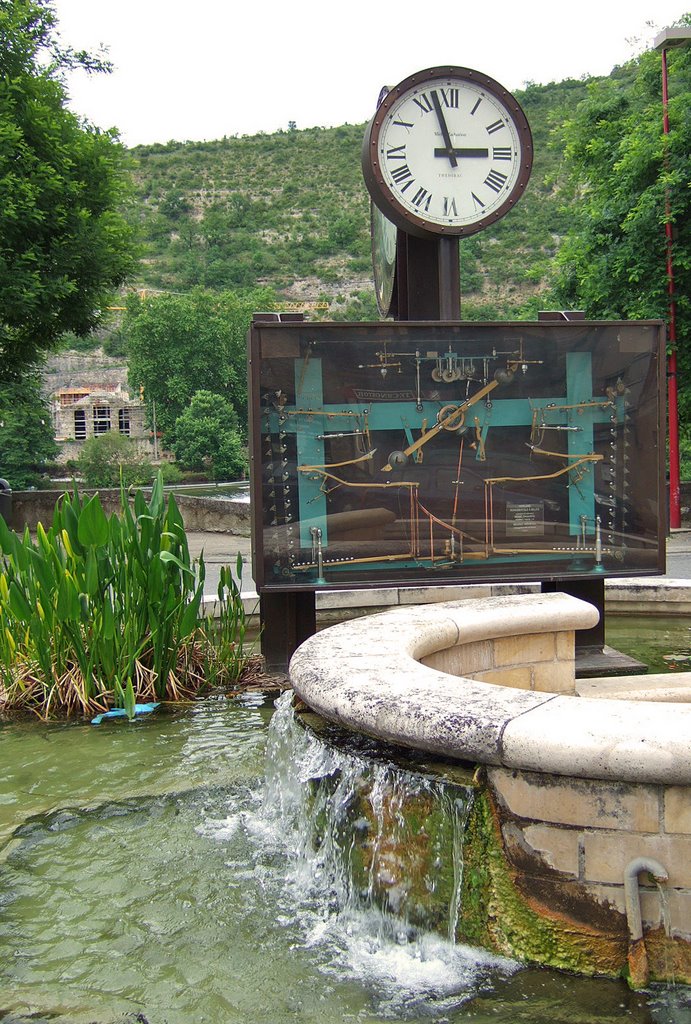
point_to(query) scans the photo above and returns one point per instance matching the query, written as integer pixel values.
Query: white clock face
(450, 153)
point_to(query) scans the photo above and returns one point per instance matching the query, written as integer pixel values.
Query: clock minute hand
(449, 151)
(456, 151)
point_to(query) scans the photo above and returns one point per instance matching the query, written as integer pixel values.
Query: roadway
(222, 549)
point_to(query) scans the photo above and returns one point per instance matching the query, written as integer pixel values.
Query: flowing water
(200, 866)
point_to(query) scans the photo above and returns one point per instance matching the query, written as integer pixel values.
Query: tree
(207, 436)
(178, 343)
(107, 460)
(613, 262)
(26, 432)
(65, 242)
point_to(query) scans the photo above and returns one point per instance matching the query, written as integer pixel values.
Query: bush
(112, 459)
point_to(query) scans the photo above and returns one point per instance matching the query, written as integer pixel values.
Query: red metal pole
(672, 396)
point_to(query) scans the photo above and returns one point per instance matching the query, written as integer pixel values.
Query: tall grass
(101, 612)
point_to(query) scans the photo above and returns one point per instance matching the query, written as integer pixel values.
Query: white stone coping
(365, 674)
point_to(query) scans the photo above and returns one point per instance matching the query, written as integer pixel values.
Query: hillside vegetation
(290, 210)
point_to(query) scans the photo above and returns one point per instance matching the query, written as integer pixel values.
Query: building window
(101, 419)
(79, 424)
(124, 421)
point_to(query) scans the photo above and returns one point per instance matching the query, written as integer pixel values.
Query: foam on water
(298, 821)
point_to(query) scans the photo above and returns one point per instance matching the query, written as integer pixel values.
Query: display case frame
(401, 454)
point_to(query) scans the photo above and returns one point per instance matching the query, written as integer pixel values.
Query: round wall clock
(448, 152)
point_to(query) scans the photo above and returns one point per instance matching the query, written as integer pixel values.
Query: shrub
(110, 459)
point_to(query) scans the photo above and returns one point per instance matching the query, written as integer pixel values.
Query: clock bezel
(387, 201)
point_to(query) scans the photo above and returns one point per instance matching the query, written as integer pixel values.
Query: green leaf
(190, 616)
(19, 605)
(68, 607)
(168, 556)
(130, 700)
(91, 574)
(93, 524)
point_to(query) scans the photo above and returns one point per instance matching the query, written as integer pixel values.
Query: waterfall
(374, 862)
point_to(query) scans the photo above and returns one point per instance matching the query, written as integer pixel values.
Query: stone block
(554, 677)
(557, 847)
(430, 595)
(566, 645)
(678, 809)
(522, 650)
(608, 854)
(629, 741)
(582, 803)
(384, 597)
(463, 659)
(521, 678)
(679, 913)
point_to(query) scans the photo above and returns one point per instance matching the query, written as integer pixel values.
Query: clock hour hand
(449, 151)
(456, 151)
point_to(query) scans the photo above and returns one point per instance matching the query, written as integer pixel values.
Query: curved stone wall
(491, 681)
(577, 788)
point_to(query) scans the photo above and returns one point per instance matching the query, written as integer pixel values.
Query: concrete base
(591, 661)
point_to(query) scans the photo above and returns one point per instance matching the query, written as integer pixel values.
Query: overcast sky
(202, 69)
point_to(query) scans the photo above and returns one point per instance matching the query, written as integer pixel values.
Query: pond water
(164, 871)
(663, 644)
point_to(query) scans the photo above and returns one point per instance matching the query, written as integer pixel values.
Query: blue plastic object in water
(139, 709)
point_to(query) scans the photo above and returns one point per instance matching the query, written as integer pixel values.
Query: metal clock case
(412, 453)
(448, 152)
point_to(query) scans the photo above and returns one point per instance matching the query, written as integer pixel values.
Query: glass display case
(416, 453)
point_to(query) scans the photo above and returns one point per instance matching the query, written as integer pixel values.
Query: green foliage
(177, 342)
(685, 454)
(26, 432)
(291, 208)
(112, 459)
(622, 172)
(65, 245)
(102, 612)
(207, 438)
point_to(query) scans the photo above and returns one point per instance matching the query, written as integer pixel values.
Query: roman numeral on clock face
(449, 207)
(495, 180)
(401, 173)
(496, 126)
(477, 202)
(424, 102)
(449, 97)
(422, 199)
(501, 153)
(395, 153)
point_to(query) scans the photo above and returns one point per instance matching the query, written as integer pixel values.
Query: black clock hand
(449, 151)
(462, 152)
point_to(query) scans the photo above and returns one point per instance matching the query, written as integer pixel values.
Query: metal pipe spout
(637, 955)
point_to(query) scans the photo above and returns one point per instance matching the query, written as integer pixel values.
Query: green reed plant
(103, 612)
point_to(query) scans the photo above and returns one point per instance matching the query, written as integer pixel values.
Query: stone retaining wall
(204, 515)
(572, 839)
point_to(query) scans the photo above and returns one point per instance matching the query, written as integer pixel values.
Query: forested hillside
(290, 210)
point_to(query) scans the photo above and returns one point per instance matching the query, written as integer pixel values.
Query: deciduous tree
(207, 437)
(65, 243)
(613, 262)
(26, 432)
(178, 344)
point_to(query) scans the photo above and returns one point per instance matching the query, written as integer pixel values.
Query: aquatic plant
(100, 612)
